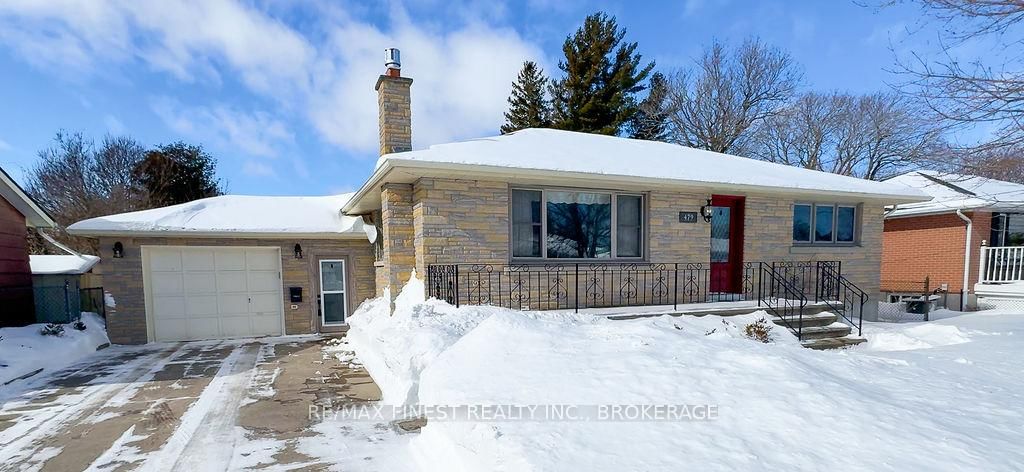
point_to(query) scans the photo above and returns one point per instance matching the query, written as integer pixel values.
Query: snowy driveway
(221, 405)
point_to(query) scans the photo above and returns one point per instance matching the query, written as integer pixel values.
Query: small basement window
(824, 223)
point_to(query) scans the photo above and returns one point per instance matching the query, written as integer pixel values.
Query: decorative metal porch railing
(842, 296)
(784, 287)
(1001, 264)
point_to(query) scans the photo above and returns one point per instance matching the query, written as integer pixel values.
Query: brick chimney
(394, 107)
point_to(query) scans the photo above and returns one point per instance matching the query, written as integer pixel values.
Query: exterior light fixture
(298, 251)
(706, 211)
(118, 250)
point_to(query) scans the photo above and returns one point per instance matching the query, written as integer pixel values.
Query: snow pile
(919, 336)
(778, 405)
(24, 350)
(234, 214)
(396, 346)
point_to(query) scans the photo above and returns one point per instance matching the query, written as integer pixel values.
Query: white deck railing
(1001, 264)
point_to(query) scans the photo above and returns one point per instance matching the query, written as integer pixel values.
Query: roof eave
(215, 234)
(35, 216)
(354, 206)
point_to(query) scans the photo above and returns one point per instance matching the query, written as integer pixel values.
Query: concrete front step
(832, 343)
(834, 330)
(823, 318)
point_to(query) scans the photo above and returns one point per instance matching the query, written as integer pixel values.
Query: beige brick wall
(397, 232)
(126, 324)
(467, 221)
(460, 221)
(670, 240)
(394, 107)
(769, 232)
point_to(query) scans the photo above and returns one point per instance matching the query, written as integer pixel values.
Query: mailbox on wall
(295, 294)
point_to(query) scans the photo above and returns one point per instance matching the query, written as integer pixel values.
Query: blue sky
(282, 93)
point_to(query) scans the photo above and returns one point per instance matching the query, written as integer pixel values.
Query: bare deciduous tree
(869, 136)
(716, 103)
(73, 181)
(986, 90)
(1004, 163)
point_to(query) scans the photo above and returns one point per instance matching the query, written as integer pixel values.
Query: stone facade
(394, 107)
(460, 221)
(126, 323)
(399, 257)
(769, 234)
(467, 221)
(669, 240)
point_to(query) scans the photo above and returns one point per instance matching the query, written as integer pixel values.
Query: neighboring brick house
(17, 213)
(647, 222)
(931, 239)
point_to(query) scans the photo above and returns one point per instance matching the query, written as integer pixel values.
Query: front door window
(332, 292)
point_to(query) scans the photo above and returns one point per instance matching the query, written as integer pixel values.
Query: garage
(195, 293)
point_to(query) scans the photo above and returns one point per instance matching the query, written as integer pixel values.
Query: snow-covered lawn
(943, 395)
(24, 350)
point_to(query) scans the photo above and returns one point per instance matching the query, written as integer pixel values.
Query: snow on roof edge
(45, 264)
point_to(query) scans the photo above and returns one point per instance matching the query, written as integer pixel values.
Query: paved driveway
(198, 406)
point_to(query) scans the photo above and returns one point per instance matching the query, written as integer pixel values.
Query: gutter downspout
(967, 257)
(59, 245)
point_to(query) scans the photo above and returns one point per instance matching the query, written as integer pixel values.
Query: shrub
(760, 330)
(52, 329)
(79, 325)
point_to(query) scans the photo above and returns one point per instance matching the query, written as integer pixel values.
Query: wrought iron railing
(842, 296)
(782, 296)
(584, 285)
(782, 287)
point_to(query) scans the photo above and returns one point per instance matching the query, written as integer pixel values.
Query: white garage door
(209, 293)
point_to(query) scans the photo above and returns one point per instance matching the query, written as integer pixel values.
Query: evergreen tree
(178, 173)
(602, 75)
(652, 116)
(527, 105)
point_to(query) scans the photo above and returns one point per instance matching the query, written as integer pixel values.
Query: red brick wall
(932, 246)
(15, 274)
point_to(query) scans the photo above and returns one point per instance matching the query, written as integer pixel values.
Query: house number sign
(687, 217)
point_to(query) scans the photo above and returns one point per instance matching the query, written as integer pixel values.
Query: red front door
(726, 243)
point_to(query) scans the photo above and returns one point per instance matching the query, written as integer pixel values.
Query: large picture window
(571, 224)
(817, 223)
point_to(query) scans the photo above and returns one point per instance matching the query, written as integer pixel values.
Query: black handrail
(575, 286)
(842, 296)
(781, 297)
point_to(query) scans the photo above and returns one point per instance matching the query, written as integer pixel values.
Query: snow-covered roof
(951, 192)
(62, 264)
(610, 157)
(235, 215)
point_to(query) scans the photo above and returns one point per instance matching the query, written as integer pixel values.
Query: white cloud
(114, 125)
(323, 73)
(256, 133)
(461, 81)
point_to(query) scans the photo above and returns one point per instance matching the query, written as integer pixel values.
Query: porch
(795, 293)
(1001, 276)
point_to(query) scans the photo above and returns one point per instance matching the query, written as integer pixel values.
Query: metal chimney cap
(392, 58)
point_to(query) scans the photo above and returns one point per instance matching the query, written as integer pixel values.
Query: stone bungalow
(533, 219)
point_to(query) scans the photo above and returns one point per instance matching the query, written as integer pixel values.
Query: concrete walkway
(224, 405)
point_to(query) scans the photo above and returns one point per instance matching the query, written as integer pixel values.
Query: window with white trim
(576, 224)
(824, 223)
